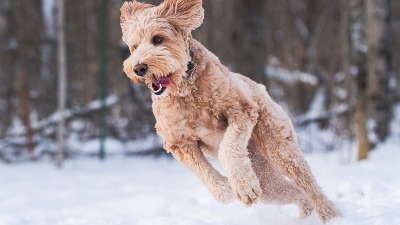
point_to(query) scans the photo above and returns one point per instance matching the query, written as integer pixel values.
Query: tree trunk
(344, 121)
(248, 39)
(7, 58)
(379, 60)
(364, 144)
(28, 22)
(62, 80)
(359, 58)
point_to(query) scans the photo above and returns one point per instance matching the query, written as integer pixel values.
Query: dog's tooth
(159, 89)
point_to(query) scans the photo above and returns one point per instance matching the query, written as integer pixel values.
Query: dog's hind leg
(190, 155)
(275, 187)
(280, 191)
(286, 157)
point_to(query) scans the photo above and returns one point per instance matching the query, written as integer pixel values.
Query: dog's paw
(305, 208)
(248, 195)
(247, 188)
(328, 211)
(222, 190)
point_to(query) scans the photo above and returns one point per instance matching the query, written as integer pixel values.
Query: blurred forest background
(334, 65)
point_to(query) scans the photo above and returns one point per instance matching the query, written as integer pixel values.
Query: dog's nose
(140, 69)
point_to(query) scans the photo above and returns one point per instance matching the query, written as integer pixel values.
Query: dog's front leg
(190, 155)
(233, 153)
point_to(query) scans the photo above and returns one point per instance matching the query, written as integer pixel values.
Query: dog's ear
(185, 14)
(130, 9)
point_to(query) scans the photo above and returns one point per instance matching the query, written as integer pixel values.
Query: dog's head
(159, 40)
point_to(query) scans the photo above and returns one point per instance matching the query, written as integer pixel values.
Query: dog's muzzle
(140, 69)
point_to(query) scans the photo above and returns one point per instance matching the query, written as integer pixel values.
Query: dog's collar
(191, 68)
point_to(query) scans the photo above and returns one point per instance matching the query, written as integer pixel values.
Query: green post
(102, 78)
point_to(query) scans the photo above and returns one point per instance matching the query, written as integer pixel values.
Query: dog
(202, 109)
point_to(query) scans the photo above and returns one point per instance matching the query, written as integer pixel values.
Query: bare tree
(342, 94)
(350, 48)
(62, 79)
(359, 59)
(28, 22)
(252, 44)
(379, 64)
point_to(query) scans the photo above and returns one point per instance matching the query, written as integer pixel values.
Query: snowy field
(146, 191)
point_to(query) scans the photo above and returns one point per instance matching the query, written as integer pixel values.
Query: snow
(48, 7)
(97, 104)
(17, 128)
(114, 146)
(274, 70)
(148, 191)
(111, 145)
(150, 142)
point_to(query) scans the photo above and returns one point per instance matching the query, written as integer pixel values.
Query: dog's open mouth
(159, 85)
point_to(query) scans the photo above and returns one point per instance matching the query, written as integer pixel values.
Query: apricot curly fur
(217, 113)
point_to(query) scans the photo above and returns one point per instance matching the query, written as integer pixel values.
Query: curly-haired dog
(203, 109)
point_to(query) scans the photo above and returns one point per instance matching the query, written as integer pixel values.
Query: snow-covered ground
(146, 191)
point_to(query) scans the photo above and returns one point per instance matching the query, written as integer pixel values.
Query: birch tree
(62, 79)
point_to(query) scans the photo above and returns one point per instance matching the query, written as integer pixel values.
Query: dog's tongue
(165, 81)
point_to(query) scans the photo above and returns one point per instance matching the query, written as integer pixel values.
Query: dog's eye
(157, 40)
(133, 48)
